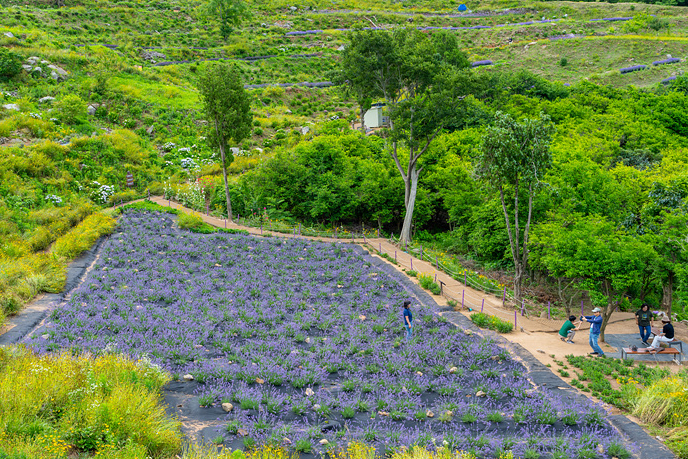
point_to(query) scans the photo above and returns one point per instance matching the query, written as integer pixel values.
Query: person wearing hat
(595, 326)
(666, 336)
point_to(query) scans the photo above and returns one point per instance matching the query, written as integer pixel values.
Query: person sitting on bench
(666, 336)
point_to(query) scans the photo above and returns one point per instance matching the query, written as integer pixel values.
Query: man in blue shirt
(595, 326)
(408, 320)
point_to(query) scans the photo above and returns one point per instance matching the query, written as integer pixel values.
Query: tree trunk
(363, 112)
(518, 281)
(609, 307)
(224, 175)
(667, 293)
(410, 204)
(513, 243)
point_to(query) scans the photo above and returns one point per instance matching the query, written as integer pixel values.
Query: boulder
(305, 130)
(293, 8)
(14, 107)
(91, 110)
(27, 67)
(150, 130)
(188, 377)
(38, 71)
(45, 99)
(9, 34)
(55, 76)
(59, 70)
(152, 56)
(227, 407)
(309, 392)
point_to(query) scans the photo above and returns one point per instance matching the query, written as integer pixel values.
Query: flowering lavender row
(671, 60)
(612, 19)
(633, 68)
(307, 84)
(481, 63)
(305, 340)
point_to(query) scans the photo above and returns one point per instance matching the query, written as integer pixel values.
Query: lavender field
(306, 341)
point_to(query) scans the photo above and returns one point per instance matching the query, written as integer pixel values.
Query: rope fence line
(467, 298)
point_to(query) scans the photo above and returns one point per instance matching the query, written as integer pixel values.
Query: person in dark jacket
(666, 336)
(595, 326)
(643, 318)
(408, 320)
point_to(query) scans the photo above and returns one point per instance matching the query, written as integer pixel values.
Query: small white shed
(373, 118)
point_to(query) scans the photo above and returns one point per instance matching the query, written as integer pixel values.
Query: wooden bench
(626, 351)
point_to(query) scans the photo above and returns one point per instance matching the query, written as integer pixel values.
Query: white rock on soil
(188, 377)
(227, 407)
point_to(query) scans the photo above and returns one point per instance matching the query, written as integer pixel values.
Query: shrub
(665, 402)
(426, 281)
(483, 320)
(83, 236)
(118, 405)
(563, 62)
(149, 205)
(194, 223)
(72, 109)
(10, 63)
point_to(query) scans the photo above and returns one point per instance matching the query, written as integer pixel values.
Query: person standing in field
(408, 320)
(595, 326)
(643, 318)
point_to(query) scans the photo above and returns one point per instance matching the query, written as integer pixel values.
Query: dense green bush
(10, 63)
(72, 109)
(483, 320)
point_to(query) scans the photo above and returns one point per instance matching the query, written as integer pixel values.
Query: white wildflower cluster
(36, 116)
(54, 120)
(189, 163)
(191, 196)
(186, 149)
(56, 200)
(168, 191)
(168, 146)
(102, 193)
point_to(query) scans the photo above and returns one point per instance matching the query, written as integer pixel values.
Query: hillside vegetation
(116, 95)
